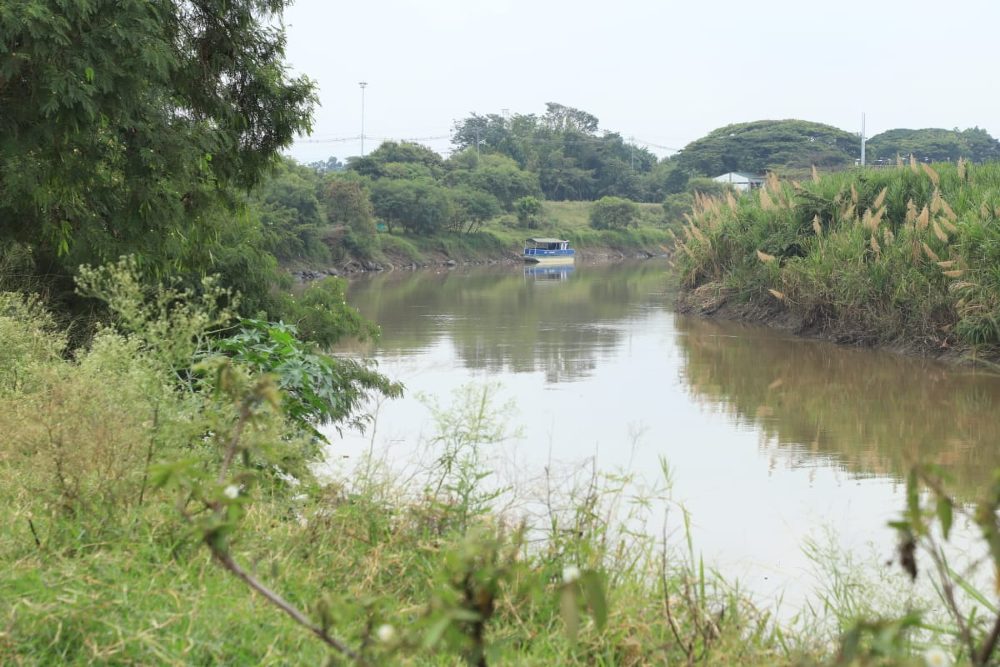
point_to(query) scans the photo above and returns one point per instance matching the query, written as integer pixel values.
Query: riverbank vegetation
(166, 400)
(902, 256)
(322, 219)
(165, 511)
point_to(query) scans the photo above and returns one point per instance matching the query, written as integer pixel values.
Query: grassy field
(899, 256)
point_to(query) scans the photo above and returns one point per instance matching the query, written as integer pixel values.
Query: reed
(861, 253)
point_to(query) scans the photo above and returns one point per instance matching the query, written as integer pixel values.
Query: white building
(741, 181)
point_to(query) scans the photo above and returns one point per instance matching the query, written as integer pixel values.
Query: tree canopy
(565, 149)
(934, 145)
(769, 144)
(128, 126)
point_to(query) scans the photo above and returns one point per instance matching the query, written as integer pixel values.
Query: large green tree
(934, 145)
(421, 207)
(769, 144)
(127, 125)
(564, 148)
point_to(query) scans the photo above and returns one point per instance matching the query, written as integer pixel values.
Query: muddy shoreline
(714, 301)
(351, 266)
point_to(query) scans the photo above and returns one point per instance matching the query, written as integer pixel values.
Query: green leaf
(593, 591)
(913, 501)
(436, 631)
(570, 613)
(88, 72)
(944, 512)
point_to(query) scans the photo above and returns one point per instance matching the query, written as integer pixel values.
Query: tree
(564, 151)
(473, 207)
(491, 133)
(769, 144)
(500, 176)
(331, 164)
(422, 207)
(348, 205)
(614, 213)
(562, 118)
(126, 125)
(934, 145)
(415, 155)
(528, 209)
(291, 215)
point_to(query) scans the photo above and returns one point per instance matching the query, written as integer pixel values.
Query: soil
(715, 301)
(394, 262)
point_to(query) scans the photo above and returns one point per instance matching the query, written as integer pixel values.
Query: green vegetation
(792, 147)
(129, 128)
(614, 213)
(767, 145)
(934, 145)
(883, 256)
(164, 512)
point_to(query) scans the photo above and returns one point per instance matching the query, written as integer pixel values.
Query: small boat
(548, 251)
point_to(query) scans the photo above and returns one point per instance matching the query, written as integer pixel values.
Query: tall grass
(911, 254)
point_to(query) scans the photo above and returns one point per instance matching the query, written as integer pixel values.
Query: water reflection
(542, 274)
(560, 320)
(875, 413)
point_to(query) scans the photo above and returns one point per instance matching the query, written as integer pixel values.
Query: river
(771, 440)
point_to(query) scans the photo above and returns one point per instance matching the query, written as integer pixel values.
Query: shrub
(528, 210)
(614, 213)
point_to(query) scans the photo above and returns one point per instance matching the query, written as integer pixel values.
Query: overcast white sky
(663, 71)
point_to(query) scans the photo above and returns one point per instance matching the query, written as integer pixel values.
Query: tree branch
(226, 561)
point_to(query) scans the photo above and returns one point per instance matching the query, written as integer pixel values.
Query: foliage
(126, 125)
(376, 163)
(613, 213)
(348, 205)
(317, 388)
(769, 144)
(925, 528)
(528, 209)
(497, 175)
(565, 151)
(472, 208)
(421, 207)
(907, 253)
(933, 145)
(293, 219)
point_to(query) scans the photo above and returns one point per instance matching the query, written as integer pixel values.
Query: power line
(633, 141)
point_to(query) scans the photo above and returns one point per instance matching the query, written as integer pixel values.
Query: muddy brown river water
(771, 440)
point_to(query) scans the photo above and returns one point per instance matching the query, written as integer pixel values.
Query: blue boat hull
(539, 256)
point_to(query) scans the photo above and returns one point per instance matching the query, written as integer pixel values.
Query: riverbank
(903, 259)
(500, 241)
(164, 512)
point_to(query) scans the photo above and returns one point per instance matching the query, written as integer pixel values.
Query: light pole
(363, 84)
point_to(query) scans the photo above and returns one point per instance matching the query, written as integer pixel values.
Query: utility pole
(477, 144)
(863, 139)
(631, 152)
(363, 84)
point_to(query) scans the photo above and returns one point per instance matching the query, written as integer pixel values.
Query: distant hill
(796, 145)
(934, 145)
(769, 144)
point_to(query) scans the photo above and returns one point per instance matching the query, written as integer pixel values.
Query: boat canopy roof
(546, 240)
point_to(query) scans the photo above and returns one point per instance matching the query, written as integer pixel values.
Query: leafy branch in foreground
(317, 388)
(926, 528)
(215, 506)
